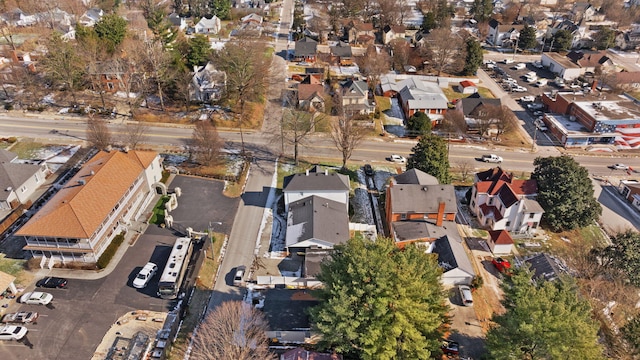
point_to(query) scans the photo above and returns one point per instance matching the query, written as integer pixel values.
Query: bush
(477, 282)
(12, 140)
(111, 250)
(8, 106)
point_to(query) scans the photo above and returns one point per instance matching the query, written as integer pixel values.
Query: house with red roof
(500, 242)
(467, 87)
(501, 202)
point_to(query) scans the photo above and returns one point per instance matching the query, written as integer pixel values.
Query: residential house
(316, 222)
(580, 34)
(391, 32)
(420, 95)
(252, 18)
(415, 176)
(415, 212)
(358, 32)
(584, 12)
(304, 354)
(452, 258)
(18, 18)
(56, 19)
(111, 75)
(341, 54)
(503, 35)
(562, 66)
(501, 202)
(354, 95)
(467, 87)
(207, 83)
(310, 95)
(208, 26)
(306, 49)
(318, 182)
(79, 222)
(630, 189)
(91, 17)
(544, 267)
(177, 21)
(626, 80)
(287, 315)
(628, 40)
(475, 110)
(19, 179)
(500, 242)
(589, 61)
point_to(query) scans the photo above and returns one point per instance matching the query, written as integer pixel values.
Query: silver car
(36, 298)
(12, 332)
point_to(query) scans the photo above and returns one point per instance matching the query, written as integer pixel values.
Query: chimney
(593, 85)
(440, 213)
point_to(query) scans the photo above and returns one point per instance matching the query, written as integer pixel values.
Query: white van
(542, 82)
(465, 295)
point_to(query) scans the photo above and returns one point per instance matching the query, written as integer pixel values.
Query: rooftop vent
(81, 182)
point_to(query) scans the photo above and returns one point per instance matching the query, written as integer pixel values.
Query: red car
(501, 264)
(450, 348)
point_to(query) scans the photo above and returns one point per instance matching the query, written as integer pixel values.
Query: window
(37, 179)
(490, 201)
(23, 189)
(507, 224)
(473, 203)
(535, 225)
(403, 216)
(531, 215)
(110, 86)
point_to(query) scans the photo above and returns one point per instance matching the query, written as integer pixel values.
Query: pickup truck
(491, 158)
(22, 317)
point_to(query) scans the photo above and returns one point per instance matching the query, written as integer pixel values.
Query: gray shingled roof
(316, 181)
(416, 230)
(544, 267)
(415, 176)
(470, 104)
(306, 47)
(13, 176)
(7, 156)
(451, 254)
(315, 217)
(342, 49)
(422, 198)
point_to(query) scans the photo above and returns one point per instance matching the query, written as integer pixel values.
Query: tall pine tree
(474, 56)
(431, 156)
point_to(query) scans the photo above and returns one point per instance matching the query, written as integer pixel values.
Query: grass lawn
(451, 94)
(384, 103)
(26, 149)
(158, 211)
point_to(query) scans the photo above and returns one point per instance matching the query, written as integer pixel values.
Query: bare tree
(346, 134)
(135, 134)
(157, 62)
(454, 122)
(295, 126)
(464, 168)
(445, 47)
(390, 12)
(375, 63)
(247, 67)
(233, 330)
(98, 133)
(206, 143)
(401, 53)
(503, 118)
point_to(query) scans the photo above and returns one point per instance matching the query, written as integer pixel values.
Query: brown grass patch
(255, 115)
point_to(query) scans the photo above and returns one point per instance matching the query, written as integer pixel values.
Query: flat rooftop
(572, 128)
(287, 309)
(563, 60)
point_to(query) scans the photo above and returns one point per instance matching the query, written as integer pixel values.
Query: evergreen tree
(548, 320)
(199, 51)
(562, 40)
(565, 192)
(380, 302)
(111, 29)
(160, 27)
(527, 38)
(631, 333)
(428, 22)
(624, 255)
(419, 124)
(220, 8)
(474, 57)
(604, 38)
(482, 10)
(431, 156)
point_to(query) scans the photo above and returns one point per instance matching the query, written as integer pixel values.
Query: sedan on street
(52, 282)
(619, 167)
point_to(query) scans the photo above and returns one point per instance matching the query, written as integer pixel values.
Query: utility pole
(535, 133)
(515, 48)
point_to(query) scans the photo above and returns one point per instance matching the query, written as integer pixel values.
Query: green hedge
(111, 250)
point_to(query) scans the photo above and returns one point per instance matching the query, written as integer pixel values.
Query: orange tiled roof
(78, 209)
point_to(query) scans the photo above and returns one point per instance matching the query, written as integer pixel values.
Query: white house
(178, 21)
(316, 222)
(208, 83)
(79, 222)
(501, 202)
(91, 17)
(19, 179)
(331, 186)
(503, 35)
(208, 26)
(561, 66)
(455, 264)
(500, 242)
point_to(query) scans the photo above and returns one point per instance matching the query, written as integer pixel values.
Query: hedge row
(111, 250)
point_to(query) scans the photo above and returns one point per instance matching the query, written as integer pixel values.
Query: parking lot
(73, 325)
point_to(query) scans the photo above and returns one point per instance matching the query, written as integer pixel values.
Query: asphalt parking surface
(73, 325)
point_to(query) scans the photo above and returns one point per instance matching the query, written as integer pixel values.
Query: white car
(519, 89)
(540, 125)
(145, 275)
(12, 332)
(619, 167)
(528, 98)
(36, 298)
(397, 158)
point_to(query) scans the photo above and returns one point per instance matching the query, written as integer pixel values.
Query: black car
(368, 170)
(52, 282)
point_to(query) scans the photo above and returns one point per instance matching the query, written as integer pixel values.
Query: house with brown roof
(96, 204)
(502, 202)
(391, 32)
(500, 242)
(19, 179)
(358, 32)
(416, 208)
(626, 80)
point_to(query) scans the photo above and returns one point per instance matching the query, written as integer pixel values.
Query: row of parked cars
(8, 328)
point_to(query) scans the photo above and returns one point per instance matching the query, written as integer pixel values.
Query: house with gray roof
(91, 17)
(208, 26)
(319, 182)
(544, 267)
(417, 94)
(306, 49)
(341, 54)
(19, 179)
(415, 176)
(316, 222)
(354, 94)
(452, 258)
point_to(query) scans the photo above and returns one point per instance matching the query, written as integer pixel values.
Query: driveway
(80, 316)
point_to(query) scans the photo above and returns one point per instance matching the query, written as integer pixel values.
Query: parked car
(52, 282)
(450, 347)
(537, 64)
(542, 82)
(619, 167)
(507, 61)
(12, 332)
(491, 158)
(519, 89)
(535, 106)
(528, 98)
(397, 158)
(36, 298)
(237, 278)
(538, 113)
(519, 66)
(368, 170)
(501, 264)
(145, 275)
(539, 123)
(465, 295)
(22, 317)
